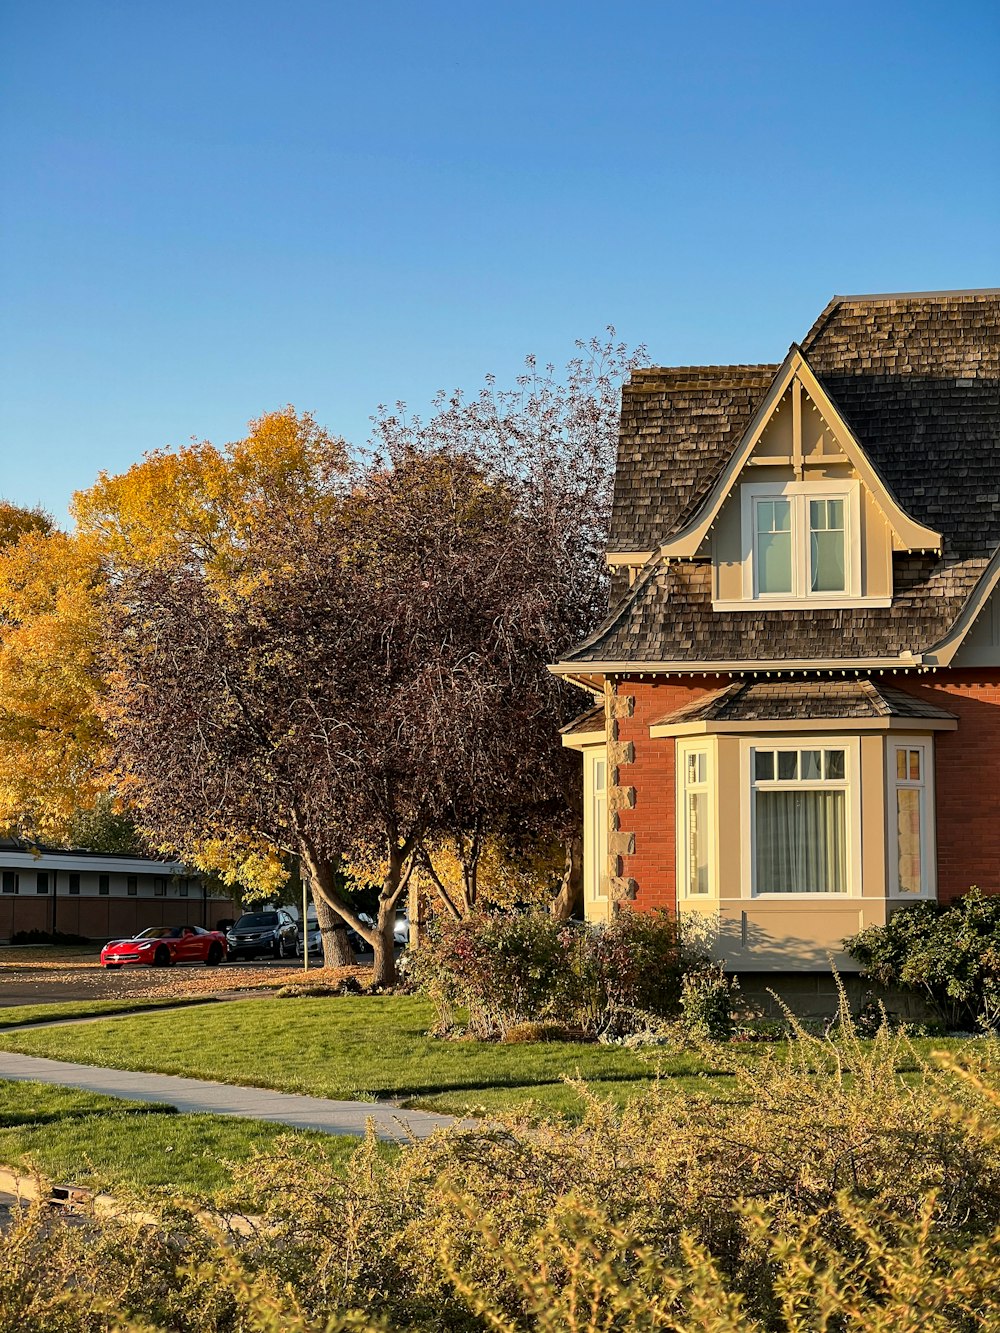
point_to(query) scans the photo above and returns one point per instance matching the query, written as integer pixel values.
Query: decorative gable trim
(943, 653)
(908, 534)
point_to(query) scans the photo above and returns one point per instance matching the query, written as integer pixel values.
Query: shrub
(707, 1003)
(948, 954)
(514, 968)
(829, 1193)
(47, 937)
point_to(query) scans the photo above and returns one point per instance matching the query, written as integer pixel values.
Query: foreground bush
(826, 1194)
(512, 968)
(950, 955)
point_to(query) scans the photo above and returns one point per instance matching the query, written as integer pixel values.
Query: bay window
(910, 856)
(801, 818)
(695, 822)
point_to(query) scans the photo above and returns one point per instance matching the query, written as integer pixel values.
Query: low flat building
(101, 897)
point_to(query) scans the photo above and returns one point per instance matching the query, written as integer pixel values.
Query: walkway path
(192, 1094)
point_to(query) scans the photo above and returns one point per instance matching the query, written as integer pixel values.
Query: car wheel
(214, 955)
(162, 957)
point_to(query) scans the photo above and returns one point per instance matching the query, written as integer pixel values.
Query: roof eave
(770, 667)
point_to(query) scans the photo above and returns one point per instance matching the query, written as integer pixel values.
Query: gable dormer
(799, 518)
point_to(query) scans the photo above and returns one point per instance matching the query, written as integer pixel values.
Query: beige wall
(771, 935)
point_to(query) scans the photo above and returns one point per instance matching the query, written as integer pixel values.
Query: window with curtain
(697, 863)
(600, 815)
(800, 540)
(799, 820)
(910, 779)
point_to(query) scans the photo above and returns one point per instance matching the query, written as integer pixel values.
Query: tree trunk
(571, 889)
(393, 884)
(384, 966)
(337, 951)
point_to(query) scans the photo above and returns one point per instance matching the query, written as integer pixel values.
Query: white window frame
(928, 847)
(595, 809)
(851, 745)
(799, 493)
(684, 748)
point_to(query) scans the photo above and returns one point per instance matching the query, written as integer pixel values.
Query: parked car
(315, 940)
(401, 929)
(272, 931)
(160, 946)
(357, 943)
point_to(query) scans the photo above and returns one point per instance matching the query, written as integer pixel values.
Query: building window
(182, 888)
(160, 888)
(695, 832)
(909, 851)
(42, 881)
(132, 886)
(799, 819)
(802, 540)
(595, 823)
(10, 881)
(104, 885)
(74, 883)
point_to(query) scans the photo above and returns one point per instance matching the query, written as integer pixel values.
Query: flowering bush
(514, 968)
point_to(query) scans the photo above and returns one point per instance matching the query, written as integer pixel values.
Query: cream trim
(584, 740)
(801, 604)
(763, 667)
(911, 535)
(616, 558)
(942, 653)
(918, 725)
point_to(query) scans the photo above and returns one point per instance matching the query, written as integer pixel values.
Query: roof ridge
(888, 298)
(881, 704)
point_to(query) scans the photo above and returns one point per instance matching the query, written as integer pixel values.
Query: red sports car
(159, 946)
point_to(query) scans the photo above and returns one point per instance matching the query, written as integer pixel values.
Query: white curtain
(801, 842)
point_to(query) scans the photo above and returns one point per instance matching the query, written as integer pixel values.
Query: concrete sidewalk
(191, 1094)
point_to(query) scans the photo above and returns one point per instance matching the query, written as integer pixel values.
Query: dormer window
(801, 542)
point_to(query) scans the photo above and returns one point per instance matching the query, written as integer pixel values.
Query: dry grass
(54, 974)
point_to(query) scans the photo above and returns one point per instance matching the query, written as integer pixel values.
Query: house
(99, 896)
(796, 721)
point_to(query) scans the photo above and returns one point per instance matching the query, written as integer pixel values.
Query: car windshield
(159, 933)
(252, 920)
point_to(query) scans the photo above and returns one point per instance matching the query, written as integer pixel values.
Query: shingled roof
(821, 700)
(917, 378)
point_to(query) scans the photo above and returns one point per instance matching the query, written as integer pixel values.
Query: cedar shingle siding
(917, 378)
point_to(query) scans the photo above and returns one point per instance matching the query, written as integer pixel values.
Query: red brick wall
(966, 778)
(651, 773)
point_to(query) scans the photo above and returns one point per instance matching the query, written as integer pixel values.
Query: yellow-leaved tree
(51, 735)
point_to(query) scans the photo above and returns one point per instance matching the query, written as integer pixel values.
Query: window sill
(801, 604)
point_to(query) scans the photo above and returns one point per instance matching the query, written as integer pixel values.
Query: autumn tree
(51, 734)
(550, 442)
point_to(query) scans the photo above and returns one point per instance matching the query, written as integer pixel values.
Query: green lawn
(363, 1047)
(70, 1136)
(351, 1047)
(16, 1015)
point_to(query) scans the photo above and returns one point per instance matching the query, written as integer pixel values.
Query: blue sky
(209, 210)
